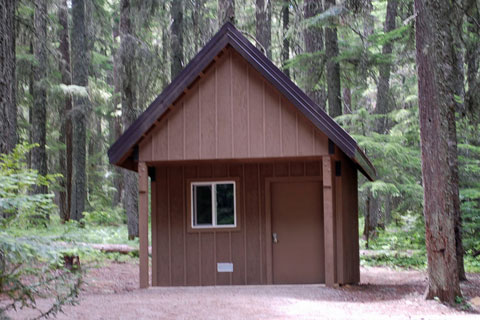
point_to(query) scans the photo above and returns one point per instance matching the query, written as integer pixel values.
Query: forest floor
(111, 292)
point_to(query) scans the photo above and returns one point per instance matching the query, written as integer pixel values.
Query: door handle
(275, 237)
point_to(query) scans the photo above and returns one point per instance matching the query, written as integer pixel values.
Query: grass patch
(395, 259)
(73, 232)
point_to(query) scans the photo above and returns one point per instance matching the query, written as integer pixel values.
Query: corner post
(329, 222)
(143, 222)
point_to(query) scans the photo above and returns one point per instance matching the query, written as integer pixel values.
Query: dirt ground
(111, 293)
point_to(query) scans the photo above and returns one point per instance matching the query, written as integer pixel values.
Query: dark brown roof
(230, 36)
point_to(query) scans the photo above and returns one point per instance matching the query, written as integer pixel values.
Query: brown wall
(232, 112)
(190, 258)
(182, 257)
(348, 198)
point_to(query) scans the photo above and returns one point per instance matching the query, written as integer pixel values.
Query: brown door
(297, 232)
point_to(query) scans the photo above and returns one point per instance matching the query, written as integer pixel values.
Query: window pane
(225, 204)
(202, 197)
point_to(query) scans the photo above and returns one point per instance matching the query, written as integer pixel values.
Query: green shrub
(30, 267)
(17, 204)
(105, 216)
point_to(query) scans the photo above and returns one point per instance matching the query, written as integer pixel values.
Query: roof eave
(364, 164)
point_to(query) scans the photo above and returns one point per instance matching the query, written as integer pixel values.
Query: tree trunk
(435, 61)
(459, 90)
(8, 105)
(286, 41)
(383, 96)
(39, 110)
(366, 227)
(129, 109)
(314, 43)
(31, 82)
(383, 106)
(263, 21)
(81, 106)
(176, 38)
(347, 100)
(117, 121)
(66, 123)
(226, 11)
(333, 69)
(472, 59)
(165, 51)
(454, 185)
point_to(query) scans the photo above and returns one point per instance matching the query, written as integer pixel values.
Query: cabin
(250, 182)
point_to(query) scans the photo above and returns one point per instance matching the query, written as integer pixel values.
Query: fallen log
(106, 248)
(112, 248)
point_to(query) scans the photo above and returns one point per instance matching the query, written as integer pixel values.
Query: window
(213, 204)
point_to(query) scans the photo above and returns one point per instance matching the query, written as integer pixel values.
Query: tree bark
(165, 51)
(263, 22)
(435, 60)
(176, 38)
(129, 109)
(333, 68)
(384, 100)
(314, 43)
(455, 193)
(81, 105)
(66, 123)
(8, 105)
(472, 59)
(226, 11)
(117, 120)
(39, 109)
(286, 41)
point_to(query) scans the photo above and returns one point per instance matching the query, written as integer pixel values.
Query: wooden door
(297, 232)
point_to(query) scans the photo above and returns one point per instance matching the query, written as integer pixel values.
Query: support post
(329, 222)
(143, 223)
(339, 223)
(153, 215)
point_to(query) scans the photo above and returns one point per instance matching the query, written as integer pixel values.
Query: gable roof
(228, 35)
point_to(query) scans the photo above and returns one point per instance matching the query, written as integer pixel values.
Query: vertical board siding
(240, 106)
(190, 258)
(223, 115)
(222, 248)
(176, 196)
(145, 149)
(192, 239)
(272, 122)
(207, 116)
(350, 218)
(289, 129)
(163, 237)
(191, 130)
(255, 114)
(207, 258)
(176, 133)
(252, 223)
(232, 112)
(238, 238)
(154, 231)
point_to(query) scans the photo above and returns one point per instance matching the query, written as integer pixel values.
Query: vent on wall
(224, 267)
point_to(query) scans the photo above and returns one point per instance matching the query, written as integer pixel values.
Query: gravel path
(383, 294)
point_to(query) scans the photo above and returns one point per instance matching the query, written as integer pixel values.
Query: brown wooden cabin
(251, 183)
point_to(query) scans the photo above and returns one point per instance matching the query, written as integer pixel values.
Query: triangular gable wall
(232, 112)
(124, 151)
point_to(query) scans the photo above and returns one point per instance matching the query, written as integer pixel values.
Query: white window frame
(214, 224)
